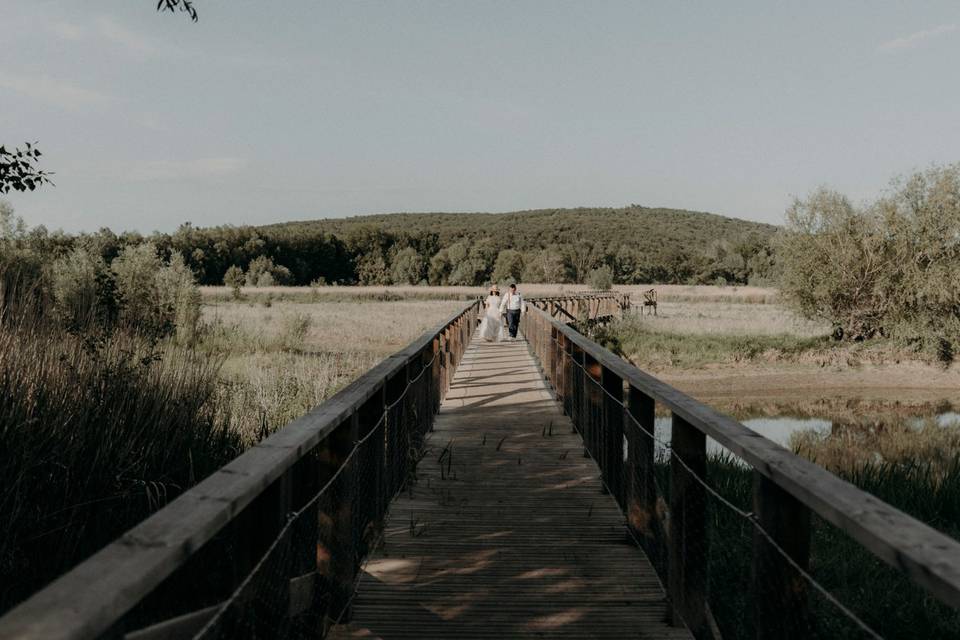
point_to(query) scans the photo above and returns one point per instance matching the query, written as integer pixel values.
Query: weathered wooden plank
(513, 539)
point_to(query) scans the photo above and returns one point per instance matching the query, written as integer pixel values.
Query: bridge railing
(612, 405)
(270, 545)
(590, 305)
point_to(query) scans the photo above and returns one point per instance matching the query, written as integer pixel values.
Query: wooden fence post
(687, 569)
(779, 591)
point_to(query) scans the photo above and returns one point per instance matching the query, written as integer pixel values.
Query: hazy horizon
(261, 114)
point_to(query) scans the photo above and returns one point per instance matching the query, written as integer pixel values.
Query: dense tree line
(636, 245)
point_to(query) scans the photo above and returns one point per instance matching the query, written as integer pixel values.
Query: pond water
(779, 428)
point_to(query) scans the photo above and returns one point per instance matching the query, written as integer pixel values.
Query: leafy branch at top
(17, 170)
(174, 5)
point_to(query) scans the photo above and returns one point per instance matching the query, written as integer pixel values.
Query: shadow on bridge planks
(508, 535)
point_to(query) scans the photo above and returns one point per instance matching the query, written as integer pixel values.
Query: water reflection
(780, 428)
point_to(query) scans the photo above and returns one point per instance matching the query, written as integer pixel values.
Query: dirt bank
(749, 389)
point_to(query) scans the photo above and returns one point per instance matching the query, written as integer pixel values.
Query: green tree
(545, 266)
(407, 267)
(508, 267)
(438, 273)
(601, 278)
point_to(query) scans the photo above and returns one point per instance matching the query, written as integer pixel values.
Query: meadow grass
(673, 343)
(386, 293)
(279, 361)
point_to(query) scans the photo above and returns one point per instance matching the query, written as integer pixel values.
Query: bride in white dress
(490, 326)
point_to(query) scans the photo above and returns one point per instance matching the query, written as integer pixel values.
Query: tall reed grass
(880, 595)
(97, 430)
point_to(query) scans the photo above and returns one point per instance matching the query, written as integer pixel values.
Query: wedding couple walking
(495, 306)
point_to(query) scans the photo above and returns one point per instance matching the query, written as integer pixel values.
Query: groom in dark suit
(513, 306)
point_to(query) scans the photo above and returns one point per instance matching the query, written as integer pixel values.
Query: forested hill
(629, 245)
(644, 228)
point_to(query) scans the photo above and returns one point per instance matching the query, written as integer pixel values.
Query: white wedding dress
(490, 325)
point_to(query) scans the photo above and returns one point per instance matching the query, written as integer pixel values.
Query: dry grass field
(281, 360)
(666, 293)
(739, 348)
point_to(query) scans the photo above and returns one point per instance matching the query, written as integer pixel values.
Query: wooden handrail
(92, 597)
(927, 557)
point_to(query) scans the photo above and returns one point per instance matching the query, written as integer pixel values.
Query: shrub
(294, 331)
(156, 299)
(234, 278)
(262, 272)
(601, 278)
(891, 268)
(80, 281)
(179, 298)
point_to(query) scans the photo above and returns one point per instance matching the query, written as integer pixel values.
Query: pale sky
(268, 111)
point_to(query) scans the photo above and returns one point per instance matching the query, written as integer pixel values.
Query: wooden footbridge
(463, 489)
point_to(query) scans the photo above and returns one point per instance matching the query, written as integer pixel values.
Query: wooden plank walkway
(516, 539)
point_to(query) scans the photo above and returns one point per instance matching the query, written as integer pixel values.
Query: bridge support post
(687, 569)
(612, 433)
(779, 591)
(642, 514)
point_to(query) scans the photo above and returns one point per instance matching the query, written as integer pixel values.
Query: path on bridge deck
(519, 542)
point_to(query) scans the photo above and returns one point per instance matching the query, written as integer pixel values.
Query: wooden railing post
(687, 569)
(779, 591)
(642, 514)
(436, 384)
(592, 426)
(577, 390)
(336, 550)
(556, 370)
(612, 436)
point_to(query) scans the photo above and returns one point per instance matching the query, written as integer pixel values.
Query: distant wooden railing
(592, 306)
(609, 400)
(275, 536)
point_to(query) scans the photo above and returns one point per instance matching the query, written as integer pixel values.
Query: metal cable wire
(749, 516)
(293, 516)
